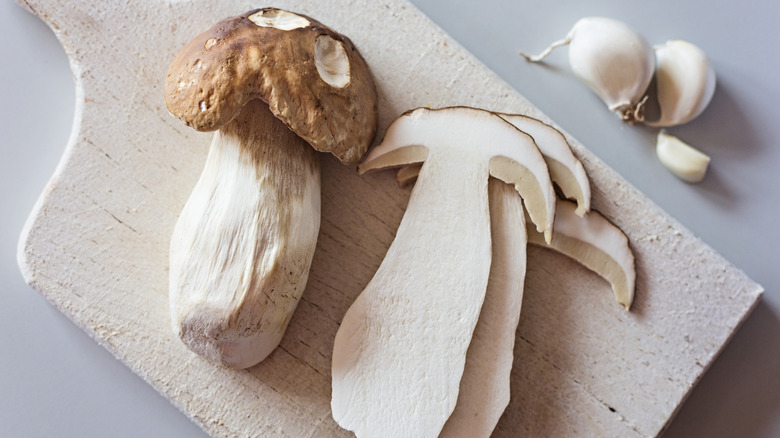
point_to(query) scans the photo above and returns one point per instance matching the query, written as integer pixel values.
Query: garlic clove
(613, 60)
(685, 80)
(683, 160)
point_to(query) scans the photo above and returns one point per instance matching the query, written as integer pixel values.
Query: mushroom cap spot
(235, 61)
(331, 60)
(279, 19)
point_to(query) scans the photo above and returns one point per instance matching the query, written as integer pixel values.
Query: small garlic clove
(613, 60)
(683, 160)
(685, 80)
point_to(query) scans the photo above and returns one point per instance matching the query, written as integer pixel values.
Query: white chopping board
(96, 244)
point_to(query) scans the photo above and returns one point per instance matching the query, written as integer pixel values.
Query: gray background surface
(56, 381)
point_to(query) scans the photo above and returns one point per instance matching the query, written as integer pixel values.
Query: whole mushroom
(270, 81)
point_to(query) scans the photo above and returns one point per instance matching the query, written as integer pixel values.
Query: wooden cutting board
(96, 244)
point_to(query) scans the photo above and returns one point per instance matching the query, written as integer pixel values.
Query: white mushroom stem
(400, 352)
(485, 386)
(243, 244)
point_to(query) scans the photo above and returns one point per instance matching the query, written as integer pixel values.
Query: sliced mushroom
(485, 386)
(400, 352)
(591, 240)
(270, 81)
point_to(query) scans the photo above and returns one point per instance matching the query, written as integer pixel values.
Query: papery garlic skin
(683, 160)
(685, 81)
(614, 61)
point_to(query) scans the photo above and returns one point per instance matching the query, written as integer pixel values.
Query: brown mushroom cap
(236, 61)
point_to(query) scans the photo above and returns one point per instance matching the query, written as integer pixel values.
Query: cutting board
(96, 243)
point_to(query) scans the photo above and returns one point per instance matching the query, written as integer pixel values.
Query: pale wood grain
(96, 244)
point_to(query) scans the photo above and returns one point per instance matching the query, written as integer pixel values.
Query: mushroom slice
(484, 389)
(485, 386)
(243, 245)
(489, 359)
(597, 244)
(400, 352)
